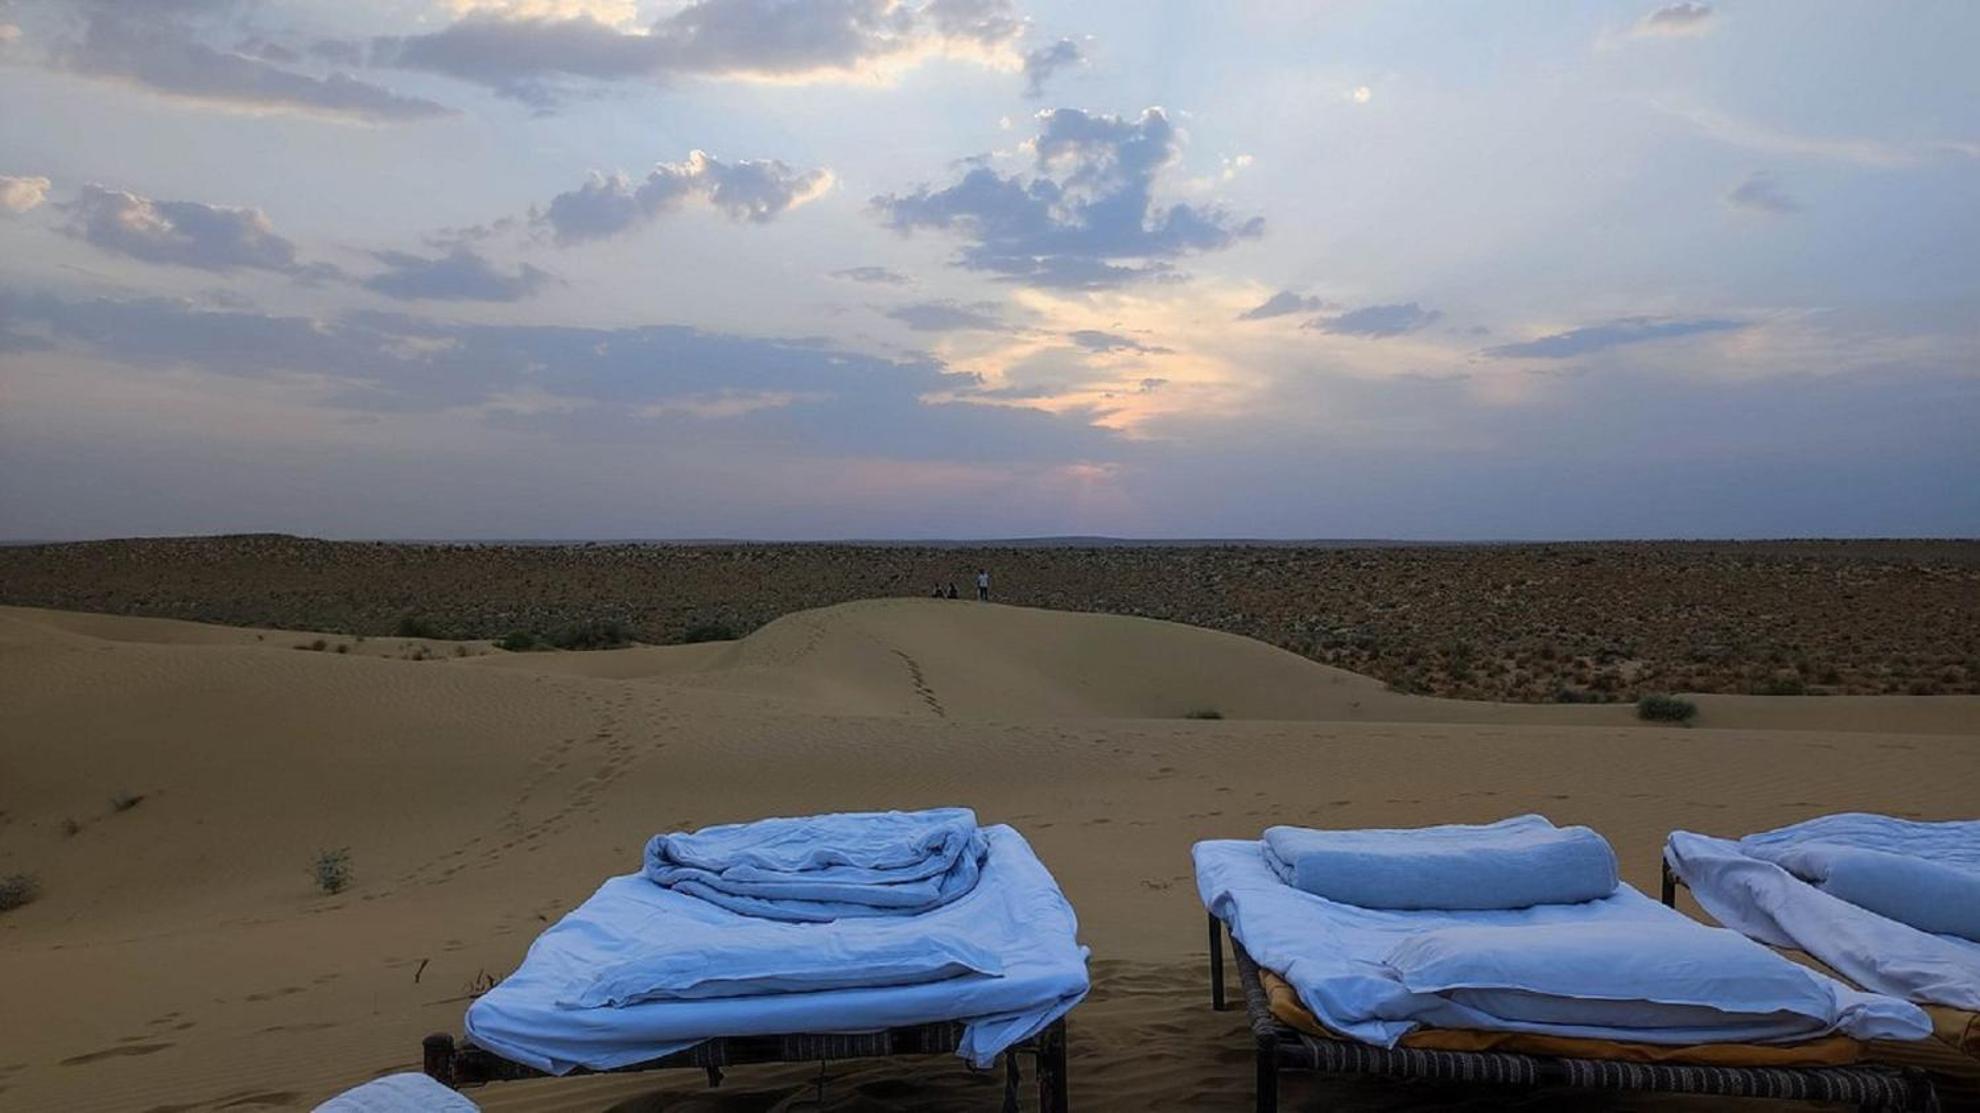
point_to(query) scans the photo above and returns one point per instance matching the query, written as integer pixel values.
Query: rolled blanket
(1926, 875)
(1514, 863)
(826, 867)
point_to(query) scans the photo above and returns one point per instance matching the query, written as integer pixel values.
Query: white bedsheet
(1348, 966)
(1015, 912)
(1762, 900)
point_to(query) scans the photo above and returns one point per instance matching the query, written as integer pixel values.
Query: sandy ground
(179, 957)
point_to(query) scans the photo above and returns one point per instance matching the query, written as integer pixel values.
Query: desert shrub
(1574, 695)
(708, 632)
(1783, 685)
(71, 828)
(1203, 713)
(17, 890)
(415, 626)
(518, 641)
(603, 633)
(319, 645)
(1660, 708)
(343, 648)
(125, 801)
(332, 870)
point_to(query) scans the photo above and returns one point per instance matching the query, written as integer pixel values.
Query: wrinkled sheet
(1338, 958)
(399, 1093)
(825, 867)
(1761, 899)
(1514, 863)
(1923, 874)
(1014, 913)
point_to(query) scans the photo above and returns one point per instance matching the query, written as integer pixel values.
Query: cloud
(880, 275)
(1677, 19)
(948, 316)
(1761, 193)
(460, 275)
(182, 233)
(752, 191)
(579, 386)
(1094, 340)
(1862, 152)
(1041, 64)
(1377, 321)
(534, 57)
(1626, 330)
(1087, 220)
(18, 195)
(1280, 304)
(156, 47)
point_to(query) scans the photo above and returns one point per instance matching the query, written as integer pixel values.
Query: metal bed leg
(437, 1058)
(1670, 893)
(1268, 1079)
(1216, 962)
(1052, 1096)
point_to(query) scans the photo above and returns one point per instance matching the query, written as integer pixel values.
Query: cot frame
(455, 1063)
(1281, 1048)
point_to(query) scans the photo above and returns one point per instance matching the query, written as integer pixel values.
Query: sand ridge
(179, 957)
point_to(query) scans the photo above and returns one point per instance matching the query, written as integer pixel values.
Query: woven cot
(1281, 1048)
(457, 1063)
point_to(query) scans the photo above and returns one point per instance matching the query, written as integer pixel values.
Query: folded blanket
(1596, 974)
(685, 964)
(1016, 916)
(816, 869)
(1376, 975)
(1514, 863)
(1926, 875)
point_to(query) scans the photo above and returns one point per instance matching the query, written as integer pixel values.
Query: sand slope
(179, 957)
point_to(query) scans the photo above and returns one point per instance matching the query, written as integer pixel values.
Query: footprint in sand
(116, 1052)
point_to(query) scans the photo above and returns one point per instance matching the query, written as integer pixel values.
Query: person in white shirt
(982, 585)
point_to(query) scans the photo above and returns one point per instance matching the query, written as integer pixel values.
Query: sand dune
(180, 958)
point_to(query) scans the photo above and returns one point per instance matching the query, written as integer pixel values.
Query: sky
(814, 269)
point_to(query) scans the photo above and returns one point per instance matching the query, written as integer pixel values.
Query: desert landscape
(171, 790)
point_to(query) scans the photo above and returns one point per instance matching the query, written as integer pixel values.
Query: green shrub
(519, 641)
(1204, 713)
(332, 870)
(708, 632)
(17, 890)
(1660, 708)
(605, 633)
(413, 626)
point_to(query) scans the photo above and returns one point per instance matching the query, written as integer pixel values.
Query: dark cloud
(1094, 340)
(1041, 64)
(460, 275)
(756, 191)
(949, 316)
(1595, 338)
(183, 233)
(1281, 304)
(534, 59)
(1676, 19)
(1761, 193)
(1150, 386)
(880, 275)
(620, 383)
(1088, 219)
(157, 47)
(1377, 321)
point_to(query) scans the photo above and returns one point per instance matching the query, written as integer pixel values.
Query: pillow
(1927, 895)
(1514, 863)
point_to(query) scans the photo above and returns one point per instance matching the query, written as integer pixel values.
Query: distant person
(982, 585)
(952, 589)
(937, 593)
